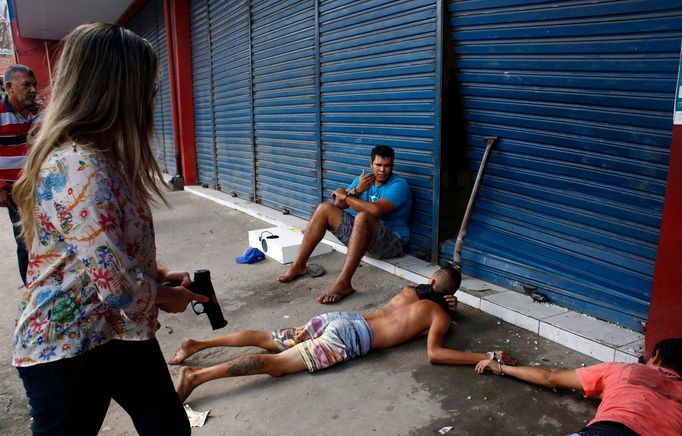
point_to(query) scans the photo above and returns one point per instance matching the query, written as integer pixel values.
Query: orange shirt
(647, 399)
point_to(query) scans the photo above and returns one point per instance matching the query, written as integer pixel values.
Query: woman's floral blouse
(92, 262)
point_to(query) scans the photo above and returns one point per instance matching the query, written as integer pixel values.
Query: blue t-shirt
(397, 191)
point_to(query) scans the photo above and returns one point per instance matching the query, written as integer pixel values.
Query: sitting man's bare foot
(187, 348)
(293, 274)
(335, 294)
(186, 383)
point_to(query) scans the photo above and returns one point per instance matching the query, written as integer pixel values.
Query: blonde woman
(85, 331)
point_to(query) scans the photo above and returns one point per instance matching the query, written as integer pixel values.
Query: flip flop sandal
(315, 270)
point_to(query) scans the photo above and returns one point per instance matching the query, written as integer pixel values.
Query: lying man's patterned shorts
(327, 339)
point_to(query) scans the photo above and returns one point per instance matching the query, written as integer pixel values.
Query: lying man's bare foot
(187, 348)
(335, 294)
(186, 384)
(293, 274)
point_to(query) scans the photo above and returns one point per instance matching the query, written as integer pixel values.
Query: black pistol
(202, 285)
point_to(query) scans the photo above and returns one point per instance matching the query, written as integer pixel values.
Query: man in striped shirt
(17, 114)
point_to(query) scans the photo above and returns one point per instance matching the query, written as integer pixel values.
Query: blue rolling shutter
(278, 82)
(165, 128)
(285, 104)
(202, 83)
(231, 70)
(581, 95)
(380, 63)
(222, 95)
(149, 23)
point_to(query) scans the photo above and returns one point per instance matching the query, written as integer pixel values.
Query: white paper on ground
(196, 419)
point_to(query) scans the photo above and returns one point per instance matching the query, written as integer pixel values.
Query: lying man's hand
(488, 364)
(495, 364)
(452, 302)
(505, 358)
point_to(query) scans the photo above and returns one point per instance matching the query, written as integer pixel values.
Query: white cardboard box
(285, 247)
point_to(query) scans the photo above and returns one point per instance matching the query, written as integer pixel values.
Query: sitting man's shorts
(384, 243)
(327, 339)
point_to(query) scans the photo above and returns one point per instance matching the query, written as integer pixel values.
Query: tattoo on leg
(245, 365)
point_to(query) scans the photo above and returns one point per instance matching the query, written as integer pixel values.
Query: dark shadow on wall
(456, 177)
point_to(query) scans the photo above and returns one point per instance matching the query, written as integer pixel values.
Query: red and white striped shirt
(14, 128)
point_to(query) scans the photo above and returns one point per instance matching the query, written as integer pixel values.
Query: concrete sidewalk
(389, 392)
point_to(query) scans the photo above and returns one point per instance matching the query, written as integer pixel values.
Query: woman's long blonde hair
(102, 96)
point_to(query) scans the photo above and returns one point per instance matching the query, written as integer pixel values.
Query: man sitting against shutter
(636, 398)
(336, 337)
(370, 216)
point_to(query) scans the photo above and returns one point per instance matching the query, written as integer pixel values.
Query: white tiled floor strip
(601, 340)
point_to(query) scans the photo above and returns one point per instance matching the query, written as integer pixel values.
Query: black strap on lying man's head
(426, 292)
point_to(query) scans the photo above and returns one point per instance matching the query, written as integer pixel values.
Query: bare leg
(276, 365)
(244, 338)
(363, 228)
(326, 217)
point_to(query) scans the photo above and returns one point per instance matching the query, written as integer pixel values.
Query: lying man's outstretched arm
(548, 377)
(448, 356)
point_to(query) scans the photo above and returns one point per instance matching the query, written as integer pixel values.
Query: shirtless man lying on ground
(336, 337)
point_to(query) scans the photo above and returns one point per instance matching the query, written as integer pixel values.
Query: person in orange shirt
(636, 398)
